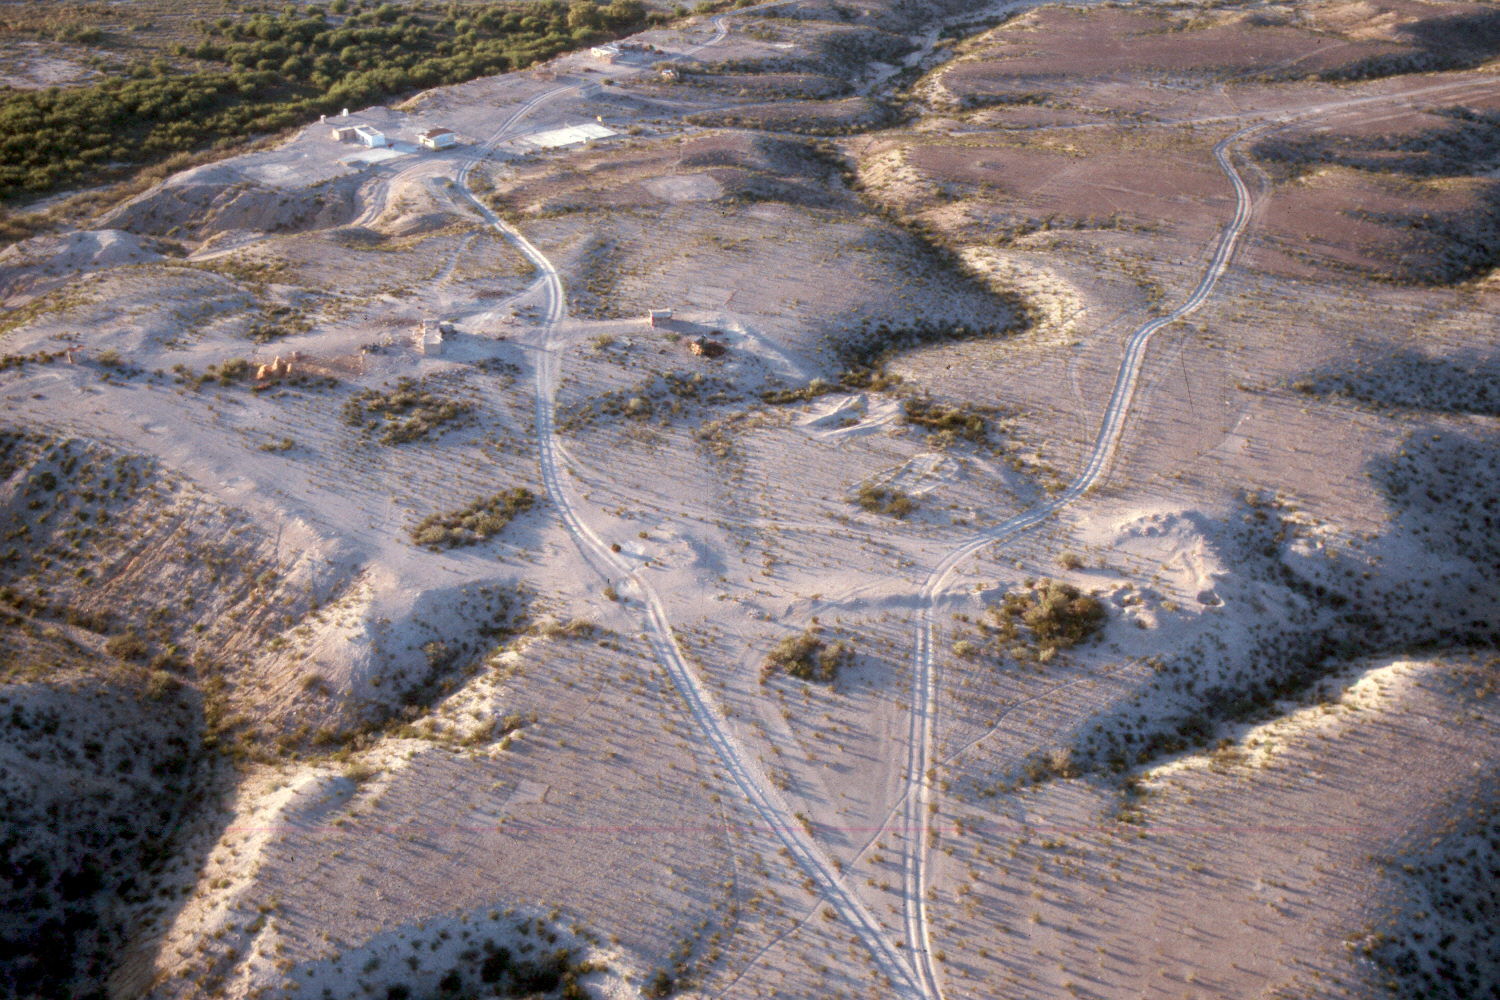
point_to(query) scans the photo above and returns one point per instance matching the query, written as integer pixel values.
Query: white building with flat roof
(438, 138)
(365, 135)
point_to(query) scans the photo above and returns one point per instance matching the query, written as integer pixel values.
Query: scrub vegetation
(473, 523)
(272, 71)
(808, 657)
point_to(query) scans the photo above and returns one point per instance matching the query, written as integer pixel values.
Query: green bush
(808, 657)
(886, 500)
(1046, 616)
(474, 522)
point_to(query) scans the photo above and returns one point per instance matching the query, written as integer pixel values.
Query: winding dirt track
(744, 771)
(913, 976)
(917, 805)
(918, 812)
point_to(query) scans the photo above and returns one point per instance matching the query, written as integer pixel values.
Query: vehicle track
(917, 811)
(746, 775)
(743, 770)
(921, 732)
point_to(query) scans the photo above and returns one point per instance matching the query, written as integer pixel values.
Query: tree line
(271, 71)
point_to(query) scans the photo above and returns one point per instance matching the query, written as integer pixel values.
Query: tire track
(917, 811)
(743, 771)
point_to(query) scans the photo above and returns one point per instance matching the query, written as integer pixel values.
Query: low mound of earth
(1383, 228)
(1064, 53)
(791, 237)
(1411, 199)
(1265, 867)
(41, 263)
(195, 206)
(820, 117)
(1416, 382)
(723, 167)
(160, 573)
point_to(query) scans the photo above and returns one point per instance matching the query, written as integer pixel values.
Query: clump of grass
(1045, 616)
(948, 421)
(405, 413)
(885, 500)
(808, 657)
(474, 522)
(127, 645)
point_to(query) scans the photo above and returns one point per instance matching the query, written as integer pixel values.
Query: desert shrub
(270, 71)
(808, 657)
(964, 420)
(1044, 617)
(473, 523)
(127, 646)
(885, 500)
(1045, 765)
(672, 394)
(160, 683)
(660, 985)
(407, 412)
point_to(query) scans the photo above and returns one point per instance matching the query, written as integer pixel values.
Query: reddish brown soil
(1152, 180)
(1055, 45)
(1374, 225)
(744, 166)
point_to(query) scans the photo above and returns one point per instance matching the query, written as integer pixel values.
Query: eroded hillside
(895, 500)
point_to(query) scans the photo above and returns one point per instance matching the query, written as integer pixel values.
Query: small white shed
(371, 137)
(438, 138)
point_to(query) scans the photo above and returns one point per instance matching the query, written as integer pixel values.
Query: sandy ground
(563, 736)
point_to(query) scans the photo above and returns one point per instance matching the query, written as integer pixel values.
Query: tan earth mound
(35, 265)
(197, 208)
(723, 166)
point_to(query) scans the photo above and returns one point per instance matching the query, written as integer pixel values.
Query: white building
(371, 137)
(438, 138)
(429, 337)
(608, 52)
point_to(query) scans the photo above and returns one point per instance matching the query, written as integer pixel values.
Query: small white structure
(658, 317)
(371, 137)
(569, 136)
(608, 52)
(429, 337)
(362, 134)
(438, 138)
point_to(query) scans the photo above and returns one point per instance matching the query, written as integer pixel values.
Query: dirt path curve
(917, 809)
(743, 769)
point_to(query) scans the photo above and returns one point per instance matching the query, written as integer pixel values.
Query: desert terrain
(947, 500)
